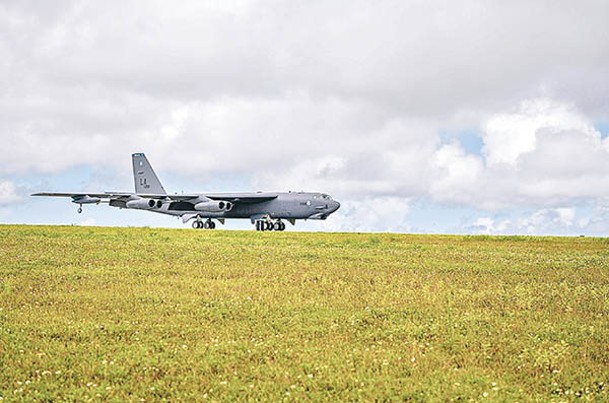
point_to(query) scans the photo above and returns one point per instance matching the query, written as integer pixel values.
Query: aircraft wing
(235, 198)
(106, 195)
(243, 197)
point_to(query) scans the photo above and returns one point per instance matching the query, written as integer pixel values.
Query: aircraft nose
(334, 206)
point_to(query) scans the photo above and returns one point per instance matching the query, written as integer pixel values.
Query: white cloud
(458, 176)
(546, 153)
(571, 220)
(544, 220)
(387, 214)
(348, 98)
(507, 136)
(489, 226)
(8, 192)
(597, 222)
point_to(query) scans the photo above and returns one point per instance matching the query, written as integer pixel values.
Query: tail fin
(145, 179)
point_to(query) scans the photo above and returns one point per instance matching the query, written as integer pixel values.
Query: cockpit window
(326, 197)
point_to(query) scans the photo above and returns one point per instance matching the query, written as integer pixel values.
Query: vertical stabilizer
(146, 181)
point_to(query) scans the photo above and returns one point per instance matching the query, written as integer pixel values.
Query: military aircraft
(265, 209)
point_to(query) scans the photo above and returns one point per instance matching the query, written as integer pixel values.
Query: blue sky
(429, 117)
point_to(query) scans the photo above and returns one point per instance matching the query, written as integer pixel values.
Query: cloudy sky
(419, 116)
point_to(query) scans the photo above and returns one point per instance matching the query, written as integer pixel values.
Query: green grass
(138, 313)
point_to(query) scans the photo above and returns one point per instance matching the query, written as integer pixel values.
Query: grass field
(151, 314)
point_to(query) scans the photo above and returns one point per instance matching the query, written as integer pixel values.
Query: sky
(465, 117)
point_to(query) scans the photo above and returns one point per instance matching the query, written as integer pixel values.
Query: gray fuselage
(282, 205)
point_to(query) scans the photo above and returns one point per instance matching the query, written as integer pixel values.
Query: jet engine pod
(86, 200)
(144, 204)
(214, 206)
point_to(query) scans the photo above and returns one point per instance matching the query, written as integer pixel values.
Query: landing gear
(209, 224)
(269, 225)
(79, 209)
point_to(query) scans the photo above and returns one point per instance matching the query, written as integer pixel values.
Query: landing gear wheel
(279, 225)
(209, 224)
(262, 225)
(79, 210)
(268, 225)
(197, 224)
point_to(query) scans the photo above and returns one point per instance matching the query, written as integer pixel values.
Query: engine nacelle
(214, 206)
(144, 204)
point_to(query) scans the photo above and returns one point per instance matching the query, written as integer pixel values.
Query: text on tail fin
(144, 177)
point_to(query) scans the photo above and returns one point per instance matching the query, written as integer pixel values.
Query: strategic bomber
(266, 210)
